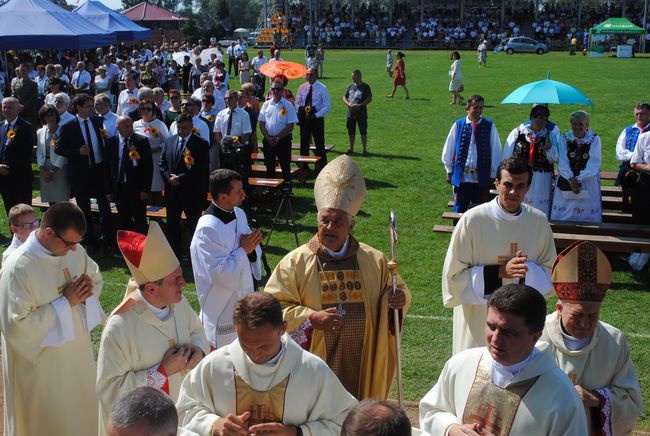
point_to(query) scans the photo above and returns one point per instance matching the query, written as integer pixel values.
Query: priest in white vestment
(512, 386)
(49, 291)
(595, 355)
(226, 256)
(153, 338)
(495, 243)
(263, 382)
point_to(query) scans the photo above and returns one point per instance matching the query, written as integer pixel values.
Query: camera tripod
(285, 203)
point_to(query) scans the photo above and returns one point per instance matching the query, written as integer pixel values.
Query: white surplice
(603, 365)
(305, 390)
(550, 406)
(222, 273)
(48, 361)
(482, 235)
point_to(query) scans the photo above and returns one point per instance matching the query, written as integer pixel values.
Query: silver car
(523, 45)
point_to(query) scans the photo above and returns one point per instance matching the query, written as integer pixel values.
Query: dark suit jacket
(70, 141)
(18, 154)
(194, 180)
(137, 178)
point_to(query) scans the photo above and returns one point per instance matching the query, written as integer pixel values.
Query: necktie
(229, 123)
(121, 175)
(49, 137)
(179, 152)
(3, 140)
(308, 98)
(89, 140)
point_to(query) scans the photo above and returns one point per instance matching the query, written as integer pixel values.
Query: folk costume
(625, 146)
(532, 398)
(540, 150)
(223, 272)
(602, 364)
(295, 388)
(48, 362)
(484, 240)
(313, 278)
(471, 154)
(579, 158)
(138, 334)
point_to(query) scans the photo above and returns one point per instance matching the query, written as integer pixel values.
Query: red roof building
(146, 11)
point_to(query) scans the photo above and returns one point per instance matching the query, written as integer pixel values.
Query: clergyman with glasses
(49, 304)
(22, 221)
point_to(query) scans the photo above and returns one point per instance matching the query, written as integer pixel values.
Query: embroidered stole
(265, 406)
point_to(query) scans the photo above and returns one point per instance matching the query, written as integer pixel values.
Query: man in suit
(26, 91)
(82, 142)
(184, 166)
(17, 139)
(128, 170)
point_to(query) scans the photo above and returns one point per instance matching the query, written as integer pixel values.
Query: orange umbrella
(290, 70)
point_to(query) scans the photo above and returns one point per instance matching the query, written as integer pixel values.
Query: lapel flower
(210, 118)
(134, 155)
(307, 109)
(11, 134)
(195, 131)
(153, 131)
(249, 105)
(188, 158)
(235, 139)
(132, 100)
(283, 112)
(146, 131)
(102, 133)
(53, 142)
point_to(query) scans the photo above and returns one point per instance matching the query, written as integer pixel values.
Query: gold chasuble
(362, 352)
(492, 407)
(264, 406)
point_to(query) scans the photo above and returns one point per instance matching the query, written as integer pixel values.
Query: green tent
(616, 26)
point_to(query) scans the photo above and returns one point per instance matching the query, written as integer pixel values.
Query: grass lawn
(404, 173)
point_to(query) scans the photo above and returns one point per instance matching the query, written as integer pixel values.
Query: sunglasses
(187, 104)
(67, 244)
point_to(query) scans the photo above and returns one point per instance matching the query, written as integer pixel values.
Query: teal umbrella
(547, 91)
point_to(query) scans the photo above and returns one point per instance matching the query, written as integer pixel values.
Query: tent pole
(645, 22)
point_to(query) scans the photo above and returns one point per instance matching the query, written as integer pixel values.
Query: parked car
(521, 45)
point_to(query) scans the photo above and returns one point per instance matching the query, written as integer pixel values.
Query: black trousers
(131, 211)
(281, 151)
(94, 187)
(315, 128)
(232, 61)
(15, 190)
(178, 201)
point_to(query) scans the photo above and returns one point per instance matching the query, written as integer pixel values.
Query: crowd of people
(326, 316)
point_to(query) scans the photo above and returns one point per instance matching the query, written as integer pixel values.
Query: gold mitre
(149, 257)
(581, 273)
(340, 185)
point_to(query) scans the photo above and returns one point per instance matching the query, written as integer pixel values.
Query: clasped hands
(468, 429)
(250, 241)
(515, 268)
(238, 425)
(179, 358)
(78, 290)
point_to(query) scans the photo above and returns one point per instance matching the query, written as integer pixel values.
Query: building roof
(146, 11)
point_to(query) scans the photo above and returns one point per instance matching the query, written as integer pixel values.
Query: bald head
(10, 108)
(124, 125)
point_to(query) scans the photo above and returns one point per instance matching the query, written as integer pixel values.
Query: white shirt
(622, 153)
(219, 102)
(123, 104)
(642, 151)
(277, 116)
(93, 140)
(241, 123)
(110, 124)
(449, 150)
(112, 70)
(320, 98)
(81, 79)
(257, 62)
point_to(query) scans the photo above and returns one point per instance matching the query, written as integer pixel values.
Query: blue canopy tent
(105, 18)
(40, 24)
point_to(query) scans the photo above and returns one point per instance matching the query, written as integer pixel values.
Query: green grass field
(404, 173)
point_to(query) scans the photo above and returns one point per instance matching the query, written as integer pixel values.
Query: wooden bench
(328, 147)
(278, 170)
(609, 243)
(608, 217)
(153, 212)
(294, 158)
(614, 199)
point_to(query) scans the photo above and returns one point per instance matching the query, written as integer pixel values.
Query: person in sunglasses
(22, 221)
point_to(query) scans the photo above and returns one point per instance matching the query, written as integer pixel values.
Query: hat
(149, 257)
(340, 185)
(581, 273)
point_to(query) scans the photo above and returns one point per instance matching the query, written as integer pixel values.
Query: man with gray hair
(376, 418)
(143, 411)
(62, 103)
(103, 108)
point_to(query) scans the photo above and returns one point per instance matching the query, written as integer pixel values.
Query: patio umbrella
(291, 70)
(179, 57)
(241, 30)
(547, 91)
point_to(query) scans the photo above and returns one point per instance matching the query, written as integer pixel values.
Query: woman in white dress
(103, 83)
(53, 179)
(156, 131)
(244, 69)
(536, 141)
(577, 191)
(456, 76)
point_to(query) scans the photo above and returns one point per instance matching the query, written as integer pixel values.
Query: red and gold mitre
(581, 273)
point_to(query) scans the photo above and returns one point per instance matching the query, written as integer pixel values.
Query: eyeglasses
(33, 225)
(187, 104)
(67, 244)
(146, 109)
